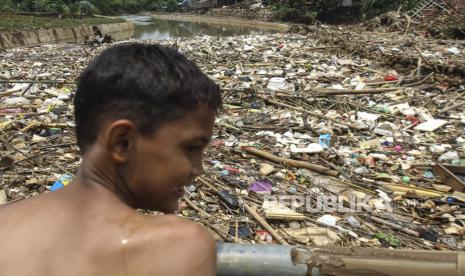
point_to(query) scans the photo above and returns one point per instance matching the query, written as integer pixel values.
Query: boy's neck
(97, 175)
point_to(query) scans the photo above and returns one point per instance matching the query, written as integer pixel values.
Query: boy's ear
(119, 139)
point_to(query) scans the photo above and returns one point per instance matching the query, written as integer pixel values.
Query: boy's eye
(194, 147)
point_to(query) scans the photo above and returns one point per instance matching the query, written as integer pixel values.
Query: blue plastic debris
(450, 199)
(62, 182)
(325, 140)
(428, 174)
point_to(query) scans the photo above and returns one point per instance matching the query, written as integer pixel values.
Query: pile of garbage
(409, 54)
(249, 9)
(315, 144)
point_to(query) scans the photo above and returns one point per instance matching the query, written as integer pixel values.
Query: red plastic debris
(390, 77)
(414, 120)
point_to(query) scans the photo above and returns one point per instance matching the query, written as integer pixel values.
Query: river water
(148, 28)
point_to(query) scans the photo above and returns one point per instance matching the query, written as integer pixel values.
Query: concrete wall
(118, 31)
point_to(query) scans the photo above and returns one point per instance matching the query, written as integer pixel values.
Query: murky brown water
(148, 28)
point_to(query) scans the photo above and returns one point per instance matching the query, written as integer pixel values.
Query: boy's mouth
(179, 192)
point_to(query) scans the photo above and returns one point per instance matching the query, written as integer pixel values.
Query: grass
(13, 22)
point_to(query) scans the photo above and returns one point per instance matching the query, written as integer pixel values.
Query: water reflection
(147, 28)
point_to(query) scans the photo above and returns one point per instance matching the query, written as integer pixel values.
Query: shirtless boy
(144, 115)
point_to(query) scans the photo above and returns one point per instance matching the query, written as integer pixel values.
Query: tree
(71, 7)
(6, 5)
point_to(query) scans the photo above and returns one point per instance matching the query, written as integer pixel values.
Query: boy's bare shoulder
(171, 245)
(176, 228)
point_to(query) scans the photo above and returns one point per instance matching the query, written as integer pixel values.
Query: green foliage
(71, 7)
(170, 6)
(16, 22)
(388, 239)
(86, 7)
(6, 6)
(163, 5)
(293, 11)
(134, 6)
(107, 6)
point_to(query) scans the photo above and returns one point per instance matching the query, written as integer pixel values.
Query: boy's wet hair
(147, 84)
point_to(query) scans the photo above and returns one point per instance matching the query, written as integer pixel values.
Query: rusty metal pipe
(241, 259)
(250, 259)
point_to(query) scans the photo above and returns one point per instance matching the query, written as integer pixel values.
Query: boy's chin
(170, 207)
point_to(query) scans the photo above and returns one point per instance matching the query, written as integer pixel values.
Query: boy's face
(159, 166)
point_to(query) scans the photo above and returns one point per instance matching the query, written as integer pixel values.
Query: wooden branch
(310, 113)
(396, 227)
(356, 92)
(201, 179)
(291, 162)
(264, 224)
(40, 124)
(409, 21)
(195, 207)
(422, 56)
(381, 82)
(9, 92)
(451, 107)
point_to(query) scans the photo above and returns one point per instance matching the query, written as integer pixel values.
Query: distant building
(427, 9)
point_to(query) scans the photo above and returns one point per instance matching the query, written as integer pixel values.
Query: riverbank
(117, 31)
(14, 22)
(220, 20)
